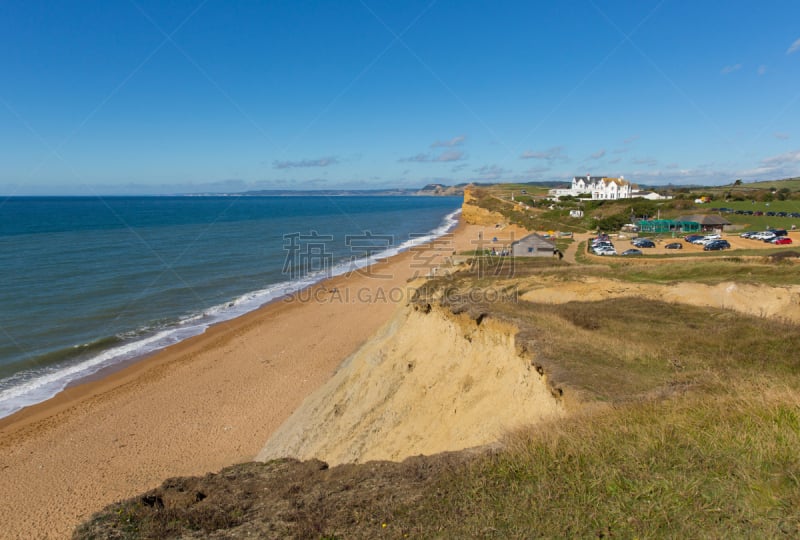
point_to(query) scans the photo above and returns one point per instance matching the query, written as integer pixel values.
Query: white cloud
(782, 159)
(556, 152)
(762, 69)
(597, 155)
(730, 69)
(491, 172)
(535, 171)
(782, 136)
(444, 157)
(320, 162)
(794, 47)
(455, 141)
(650, 162)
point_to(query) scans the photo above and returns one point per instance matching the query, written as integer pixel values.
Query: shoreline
(197, 406)
(32, 391)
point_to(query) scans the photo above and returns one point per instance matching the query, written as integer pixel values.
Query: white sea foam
(25, 389)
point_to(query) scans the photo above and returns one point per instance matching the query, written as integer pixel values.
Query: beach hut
(533, 245)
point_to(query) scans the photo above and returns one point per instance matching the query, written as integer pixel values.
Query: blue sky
(136, 96)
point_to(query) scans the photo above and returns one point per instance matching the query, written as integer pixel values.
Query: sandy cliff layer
(476, 215)
(426, 383)
(760, 300)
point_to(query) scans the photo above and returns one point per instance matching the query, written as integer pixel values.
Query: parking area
(622, 243)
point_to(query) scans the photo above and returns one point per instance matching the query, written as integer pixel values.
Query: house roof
(618, 181)
(535, 240)
(705, 219)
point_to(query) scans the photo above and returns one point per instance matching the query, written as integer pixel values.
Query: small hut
(708, 222)
(533, 245)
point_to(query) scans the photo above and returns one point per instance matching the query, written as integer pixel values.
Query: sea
(89, 283)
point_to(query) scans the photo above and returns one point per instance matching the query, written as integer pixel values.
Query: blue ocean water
(87, 283)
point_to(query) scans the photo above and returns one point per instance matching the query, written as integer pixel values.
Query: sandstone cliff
(427, 383)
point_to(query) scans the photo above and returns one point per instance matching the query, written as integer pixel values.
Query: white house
(600, 187)
(650, 195)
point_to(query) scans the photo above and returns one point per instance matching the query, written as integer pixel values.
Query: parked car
(781, 240)
(703, 241)
(606, 251)
(631, 252)
(674, 245)
(643, 243)
(692, 237)
(778, 232)
(716, 245)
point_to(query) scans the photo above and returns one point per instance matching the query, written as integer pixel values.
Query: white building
(600, 187)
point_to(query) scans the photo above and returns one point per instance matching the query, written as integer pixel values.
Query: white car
(706, 239)
(605, 250)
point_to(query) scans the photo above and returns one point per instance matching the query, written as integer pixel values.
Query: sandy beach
(205, 403)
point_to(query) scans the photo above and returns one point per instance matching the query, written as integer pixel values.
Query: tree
(738, 182)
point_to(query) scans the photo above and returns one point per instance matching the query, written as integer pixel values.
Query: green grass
(719, 468)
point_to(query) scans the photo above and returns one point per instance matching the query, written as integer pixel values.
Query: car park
(674, 245)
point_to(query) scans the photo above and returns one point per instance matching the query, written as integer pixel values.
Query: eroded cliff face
(429, 381)
(475, 215)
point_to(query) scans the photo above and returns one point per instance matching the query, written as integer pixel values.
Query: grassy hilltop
(684, 419)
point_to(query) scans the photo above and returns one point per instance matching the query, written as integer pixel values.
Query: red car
(782, 240)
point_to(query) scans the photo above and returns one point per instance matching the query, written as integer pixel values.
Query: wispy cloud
(614, 161)
(556, 152)
(597, 155)
(444, 157)
(730, 69)
(794, 47)
(650, 162)
(455, 141)
(320, 162)
(782, 159)
(535, 171)
(782, 136)
(490, 172)
(631, 139)
(762, 69)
